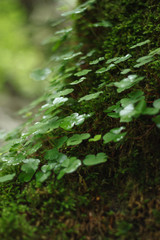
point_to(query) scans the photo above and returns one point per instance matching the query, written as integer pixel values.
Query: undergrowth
(86, 164)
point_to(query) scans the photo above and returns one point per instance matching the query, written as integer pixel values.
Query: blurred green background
(24, 26)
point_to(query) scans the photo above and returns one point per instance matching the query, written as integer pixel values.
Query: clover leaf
(95, 139)
(29, 168)
(70, 165)
(114, 135)
(77, 139)
(78, 81)
(127, 83)
(74, 119)
(95, 159)
(82, 73)
(140, 44)
(90, 96)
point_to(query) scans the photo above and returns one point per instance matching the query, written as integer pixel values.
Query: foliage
(101, 129)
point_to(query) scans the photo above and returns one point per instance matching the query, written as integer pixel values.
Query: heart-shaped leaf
(140, 44)
(125, 71)
(74, 119)
(82, 73)
(78, 81)
(90, 96)
(41, 176)
(70, 165)
(96, 61)
(77, 139)
(29, 168)
(95, 159)
(127, 83)
(114, 135)
(95, 139)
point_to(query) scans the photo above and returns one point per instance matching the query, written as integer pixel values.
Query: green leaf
(29, 168)
(70, 55)
(59, 142)
(90, 96)
(7, 177)
(70, 165)
(95, 139)
(125, 71)
(95, 159)
(127, 83)
(78, 81)
(77, 139)
(117, 60)
(96, 61)
(102, 70)
(59, 101)
(156, 103)
(82, 73)
(75, 119)
(51, 154)
(63, 92)
(114, 135)
(136, 94)
(112, 60)
(154, 52)
(157, 120)
(122, 59)
(150, 111)
(40, 74)
(34, 148)
(143, 60)
(73, 164)
(41, 176)
(140, 44)
(127, 113)
(102, 24)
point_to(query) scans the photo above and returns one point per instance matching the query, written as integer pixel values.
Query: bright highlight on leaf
(127, 83)
(69, 165)
(75, 119)
(114, 135)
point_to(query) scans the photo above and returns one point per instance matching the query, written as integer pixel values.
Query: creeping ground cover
(85, 164)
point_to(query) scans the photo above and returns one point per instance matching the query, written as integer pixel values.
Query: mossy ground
(87, 206)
